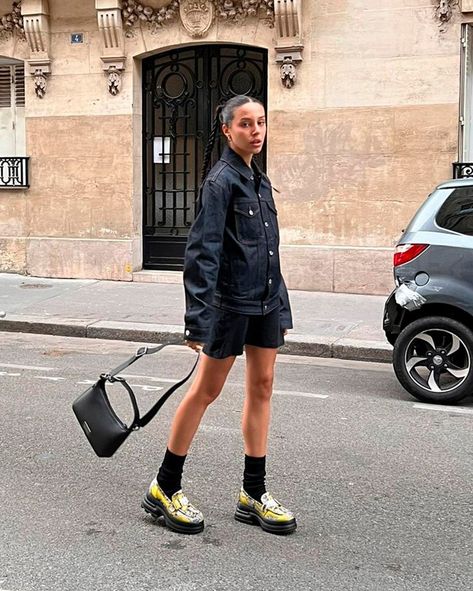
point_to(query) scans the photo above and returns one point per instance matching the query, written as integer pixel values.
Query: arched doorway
(181, 90)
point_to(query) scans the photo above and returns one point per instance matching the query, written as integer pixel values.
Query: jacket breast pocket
(247, 222)
(273, 217)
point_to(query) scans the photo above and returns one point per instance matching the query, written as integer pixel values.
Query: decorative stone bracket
(109, 18)
(444, 10)
(289, 46)
(35, 14)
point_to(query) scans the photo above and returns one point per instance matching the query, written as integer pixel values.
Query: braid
(210, 144)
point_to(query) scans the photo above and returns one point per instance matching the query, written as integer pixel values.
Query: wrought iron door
(181, 91)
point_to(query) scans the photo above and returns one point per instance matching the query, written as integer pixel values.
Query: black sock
(253, 477)
(170, 473)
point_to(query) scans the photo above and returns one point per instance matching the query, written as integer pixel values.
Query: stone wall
(367, 131)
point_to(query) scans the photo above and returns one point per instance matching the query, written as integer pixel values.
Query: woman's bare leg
(206, 387)
(257, 406)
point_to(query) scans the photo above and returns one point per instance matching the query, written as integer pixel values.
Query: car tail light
(405, 253)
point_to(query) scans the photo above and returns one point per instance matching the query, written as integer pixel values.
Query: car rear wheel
(433, 359)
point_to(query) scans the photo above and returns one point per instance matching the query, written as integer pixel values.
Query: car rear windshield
(457, 212)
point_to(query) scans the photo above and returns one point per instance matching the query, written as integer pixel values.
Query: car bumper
(393, 317)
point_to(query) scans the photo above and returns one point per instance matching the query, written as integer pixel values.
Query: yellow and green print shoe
(269, 514)
(179, 515)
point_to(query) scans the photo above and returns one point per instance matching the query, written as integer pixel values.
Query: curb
(338, 348)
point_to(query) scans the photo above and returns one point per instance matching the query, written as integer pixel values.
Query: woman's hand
(194, 345)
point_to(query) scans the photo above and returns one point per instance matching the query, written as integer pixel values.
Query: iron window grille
(14, 172)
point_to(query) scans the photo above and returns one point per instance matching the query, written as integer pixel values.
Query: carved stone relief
(444, 11)
(12, 22)
(196, 17)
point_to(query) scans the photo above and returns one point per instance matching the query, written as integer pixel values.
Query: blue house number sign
(77, 38)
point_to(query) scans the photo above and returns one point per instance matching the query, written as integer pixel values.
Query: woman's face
(247, 131)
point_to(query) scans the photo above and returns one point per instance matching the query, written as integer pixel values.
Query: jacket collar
(237, 162)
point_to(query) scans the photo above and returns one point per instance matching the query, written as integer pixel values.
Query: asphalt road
(381, 486)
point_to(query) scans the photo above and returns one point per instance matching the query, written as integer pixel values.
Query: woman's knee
(207, 395)
(262, 386)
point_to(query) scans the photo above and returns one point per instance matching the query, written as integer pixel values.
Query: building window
(12, 108)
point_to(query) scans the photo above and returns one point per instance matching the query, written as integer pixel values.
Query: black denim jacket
(232, 254)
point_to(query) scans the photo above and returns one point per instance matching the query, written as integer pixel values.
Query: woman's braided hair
(224, 114)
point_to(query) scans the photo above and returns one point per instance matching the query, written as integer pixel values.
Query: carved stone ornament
(288, 72)
(134, 12)
(113, 69)
(12, 23)
(114, 82)
(196, 17)
(444, 10)
(39, 80)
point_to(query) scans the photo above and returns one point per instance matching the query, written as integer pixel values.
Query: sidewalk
(338, 325)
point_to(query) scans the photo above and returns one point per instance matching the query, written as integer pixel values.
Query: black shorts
(230, 333)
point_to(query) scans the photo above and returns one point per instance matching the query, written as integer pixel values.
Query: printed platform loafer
(269, 514)
(179, 515)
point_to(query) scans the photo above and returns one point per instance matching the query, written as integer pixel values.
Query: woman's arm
(202, 259)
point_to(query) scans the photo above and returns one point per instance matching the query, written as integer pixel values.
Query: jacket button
(188, 332)
(270, 282)
(252, 178)
(266, 224)
(271, 253)
(251, 212)
(259, 195)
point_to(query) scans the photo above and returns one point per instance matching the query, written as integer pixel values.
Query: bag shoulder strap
(138, 421)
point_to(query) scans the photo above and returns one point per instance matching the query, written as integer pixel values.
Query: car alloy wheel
(433, 359)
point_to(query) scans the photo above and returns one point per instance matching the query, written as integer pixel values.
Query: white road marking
(444, 408)
(145, 387)
(6, 373)
(152, 378)
(231, 384)
(35, 368)
(303, 394)
(50, 378)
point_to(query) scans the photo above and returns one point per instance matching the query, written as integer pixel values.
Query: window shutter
(20, 85)
(5, 86)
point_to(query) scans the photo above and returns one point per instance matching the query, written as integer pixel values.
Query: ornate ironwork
(14, 172)
(462, 170)
(181, 91)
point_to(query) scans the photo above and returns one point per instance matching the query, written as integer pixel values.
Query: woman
(235, 299)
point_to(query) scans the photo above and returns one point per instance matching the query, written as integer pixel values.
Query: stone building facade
(110, 102)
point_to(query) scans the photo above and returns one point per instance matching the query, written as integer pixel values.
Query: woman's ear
(226, 131)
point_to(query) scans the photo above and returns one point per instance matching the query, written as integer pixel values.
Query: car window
(457, 211)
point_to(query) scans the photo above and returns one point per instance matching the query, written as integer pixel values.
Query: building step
(151, 276)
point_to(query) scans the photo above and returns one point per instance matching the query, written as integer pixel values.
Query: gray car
(429, 316)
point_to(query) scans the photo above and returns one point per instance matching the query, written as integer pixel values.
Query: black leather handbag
(101, 425)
